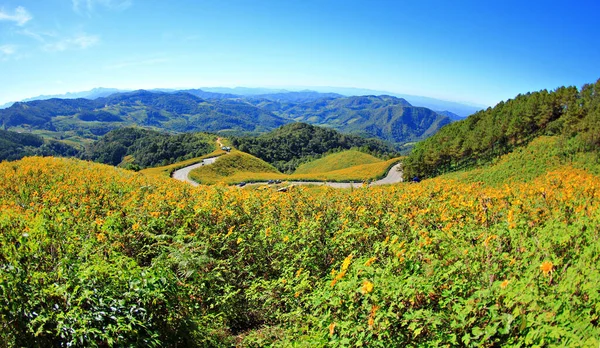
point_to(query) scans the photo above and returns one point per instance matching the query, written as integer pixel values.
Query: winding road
(392, 177)
(183, 173)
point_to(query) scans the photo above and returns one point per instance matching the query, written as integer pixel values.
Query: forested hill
(297, 143)
(14, 146)
(385, 117)
(141, 148)
(573, 114)
(180, 112)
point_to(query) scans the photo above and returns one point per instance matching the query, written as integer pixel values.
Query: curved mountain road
(392, 177)
(183, 173)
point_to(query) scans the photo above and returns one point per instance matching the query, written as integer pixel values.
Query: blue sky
(469, 51)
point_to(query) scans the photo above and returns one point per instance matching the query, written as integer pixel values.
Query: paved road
(183, 173)
(393, 176)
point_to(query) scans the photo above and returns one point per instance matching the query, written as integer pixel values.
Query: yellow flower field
(93, 255)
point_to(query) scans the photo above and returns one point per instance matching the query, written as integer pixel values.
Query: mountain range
(462, 110)
(385, 117)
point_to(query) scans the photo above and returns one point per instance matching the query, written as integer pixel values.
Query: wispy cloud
(130, 63)
(7, 51)
(19, 16)
(88, 6)
(79, 41)
(37, 35)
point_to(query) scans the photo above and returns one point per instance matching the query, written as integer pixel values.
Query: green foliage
(385, 117)
(115, 258)
(15, 146)
(526, 163)
(177, 112)
(496, 131)
(291, 145)
(149, 148)
(388, 118)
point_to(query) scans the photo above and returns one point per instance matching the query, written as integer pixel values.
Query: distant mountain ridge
(385, 117)
(176, 112)
(291, 94)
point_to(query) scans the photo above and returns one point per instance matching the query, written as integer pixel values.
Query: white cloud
(37, 35)
(79, 41)
(7, 51)
(89, 5)
(20, 16)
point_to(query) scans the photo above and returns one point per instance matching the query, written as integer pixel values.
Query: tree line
(568, 112)
(291, 145)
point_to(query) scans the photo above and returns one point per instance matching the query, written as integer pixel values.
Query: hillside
(388, 118)
(156, 262)
(180, 112)
(336, 161)
(297, 143)
(147, 148)
(226, 166)
(15, 146)
(385, 117)
(482, 137)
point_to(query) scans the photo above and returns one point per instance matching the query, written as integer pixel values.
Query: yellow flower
(346, 262)
(546, 267)
(374, 309)
(370, 261)
(504, 284)
(332, 329)
(367, 287)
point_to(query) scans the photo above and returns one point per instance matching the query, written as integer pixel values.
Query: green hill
(385, 117)
(574, 115)
(225, 166)
(179, 112)
(148, 148)
(291, 145)
(15, 146)
(335, 161)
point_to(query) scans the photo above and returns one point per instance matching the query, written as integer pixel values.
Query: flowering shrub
(91, 255)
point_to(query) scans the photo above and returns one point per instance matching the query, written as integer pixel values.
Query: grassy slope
(526, 164)
(336, 161)
(232, 164)
(241, 167)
